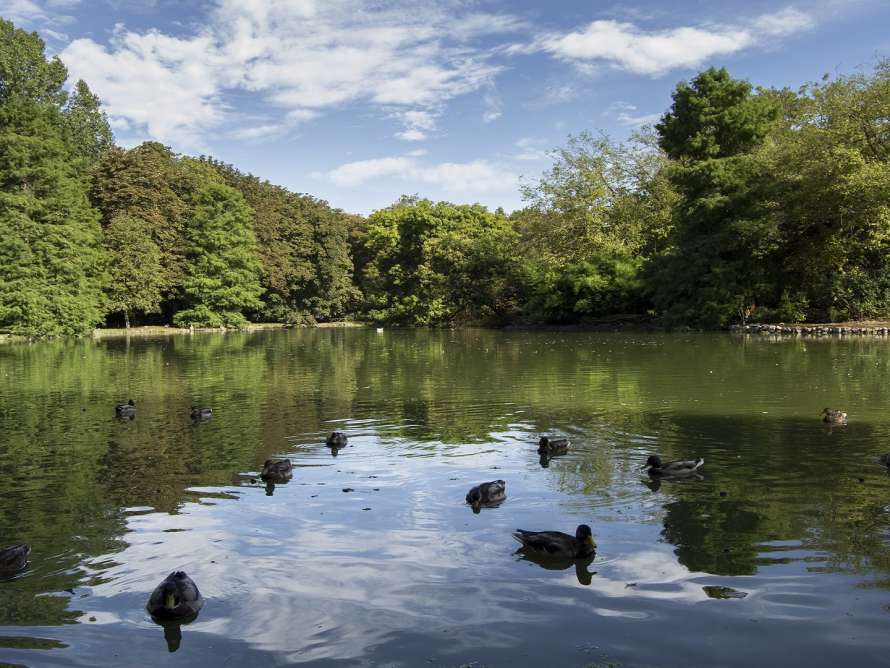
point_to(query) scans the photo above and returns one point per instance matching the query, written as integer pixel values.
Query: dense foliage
(742, 203)
(432, 263)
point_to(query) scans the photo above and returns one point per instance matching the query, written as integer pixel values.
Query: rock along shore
(812, 330)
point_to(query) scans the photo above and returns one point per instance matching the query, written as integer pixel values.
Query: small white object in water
(380, 330)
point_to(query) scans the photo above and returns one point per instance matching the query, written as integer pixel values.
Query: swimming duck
(201, 413)
(14, 558)
(487, 493)
(884, 460)
(337, 439)
(557, 544)
(553, 447)
(277, 470)
(833, 417)
(177, 597)
(658, 468)
(125, 410)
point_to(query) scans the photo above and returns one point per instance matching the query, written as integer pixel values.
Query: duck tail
(699, 462)
(517, 535)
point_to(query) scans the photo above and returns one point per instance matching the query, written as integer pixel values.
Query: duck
(487, 493)
(833, 416)
(14, 558)
(201, 413)
(125, 410)
(337, 439)
(277, 470)
(884, 460)
(680, 468)
(177, 597)
(556, 544)
(553, 447)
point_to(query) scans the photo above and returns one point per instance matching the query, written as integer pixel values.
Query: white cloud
(164, 86)
(417, 124)
(493, 107)
(412, 134)
(627, 47)
(36, 12)
(623, 113)
(462, 178)
(530, 149)
(635, 121)
(300, 55)
(785, 22)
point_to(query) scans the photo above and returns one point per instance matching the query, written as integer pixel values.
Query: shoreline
(875, 328)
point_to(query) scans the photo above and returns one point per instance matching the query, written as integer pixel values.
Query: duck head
(654, 462)
(171, 596)
(584, 535)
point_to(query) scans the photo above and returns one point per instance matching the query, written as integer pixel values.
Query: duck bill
(169, 601)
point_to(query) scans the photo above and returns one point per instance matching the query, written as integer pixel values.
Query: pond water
(778, 556)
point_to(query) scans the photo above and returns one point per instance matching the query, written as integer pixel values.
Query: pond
(372, 557)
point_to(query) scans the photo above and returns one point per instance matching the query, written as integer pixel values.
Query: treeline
(93, 234)
(741, 204)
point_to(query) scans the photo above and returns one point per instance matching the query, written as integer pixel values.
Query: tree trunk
(126, 319)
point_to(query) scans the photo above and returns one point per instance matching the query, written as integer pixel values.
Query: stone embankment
(812, 330)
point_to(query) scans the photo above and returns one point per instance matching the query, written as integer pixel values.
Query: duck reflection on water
(585, 577)
(175, 602)
(654, 484)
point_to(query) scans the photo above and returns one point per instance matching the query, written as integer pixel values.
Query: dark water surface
(399, 571)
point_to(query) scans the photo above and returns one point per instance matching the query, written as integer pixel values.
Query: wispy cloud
(43, 13)
(302, 54)
(627, 47)
(530, 149)
(458, 178)
(628, 115)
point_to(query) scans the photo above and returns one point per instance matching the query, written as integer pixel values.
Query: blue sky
(360, 101)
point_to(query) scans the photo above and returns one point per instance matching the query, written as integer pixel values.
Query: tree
(51, 261)
(438, 263)
(304, 249)
(599, 197)
(222, 274)
(86, 125)
(148, 183)
(25, 72)
(724, 256)
(135, 268)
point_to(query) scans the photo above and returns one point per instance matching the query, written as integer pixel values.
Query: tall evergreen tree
(86, 125)
(726, 238)
(223, 269)
(51, 261)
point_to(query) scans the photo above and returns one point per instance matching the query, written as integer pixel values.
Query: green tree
(304, 248)
(222, 279)
(148, 183)
(829, 163)
(86, 125)
(135, 268)
(438, 263)
(24, 70)
(724, 256)
(51, 261)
